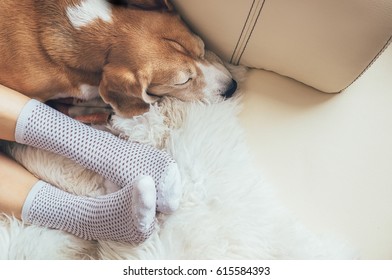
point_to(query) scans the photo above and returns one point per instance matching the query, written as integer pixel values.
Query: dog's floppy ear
(125, 91)
(164, 5)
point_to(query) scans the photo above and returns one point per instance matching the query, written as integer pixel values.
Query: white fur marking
(215, 79)
(88, 92)
(88, 11)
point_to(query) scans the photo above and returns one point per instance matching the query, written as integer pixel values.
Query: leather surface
(325, 44)
(219, 28)
(328, 156)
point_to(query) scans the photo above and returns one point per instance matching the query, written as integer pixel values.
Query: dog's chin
(213, 99)
(217, 98)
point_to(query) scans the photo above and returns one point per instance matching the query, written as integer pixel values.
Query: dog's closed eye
(158, 89)
(184, 83)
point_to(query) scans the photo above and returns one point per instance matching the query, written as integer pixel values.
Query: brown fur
(133, 60)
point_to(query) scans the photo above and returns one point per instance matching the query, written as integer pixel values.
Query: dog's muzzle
(230, 90)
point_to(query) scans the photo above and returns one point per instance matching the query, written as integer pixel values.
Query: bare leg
(15, 181)
(136, 215)
(11, 103)
(15, 184)
(127, 215)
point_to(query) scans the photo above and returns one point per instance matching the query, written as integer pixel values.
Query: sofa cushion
(326, 44)
(328, 156)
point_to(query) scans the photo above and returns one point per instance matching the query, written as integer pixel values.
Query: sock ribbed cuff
(30, 199)
(23, 120)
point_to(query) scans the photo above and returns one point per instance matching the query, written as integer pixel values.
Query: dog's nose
(231, 89)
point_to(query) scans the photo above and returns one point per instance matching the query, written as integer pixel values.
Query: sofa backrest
(326, 44)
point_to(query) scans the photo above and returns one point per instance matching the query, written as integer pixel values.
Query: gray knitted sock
(118, 160)
(126, 216)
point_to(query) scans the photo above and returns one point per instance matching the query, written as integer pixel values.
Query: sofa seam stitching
(242, 32)
(251, 32)
(251, 27)
(385, 46)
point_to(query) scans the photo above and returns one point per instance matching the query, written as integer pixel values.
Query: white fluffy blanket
(227, 212)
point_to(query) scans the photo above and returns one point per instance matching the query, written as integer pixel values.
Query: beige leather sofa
(317, 105)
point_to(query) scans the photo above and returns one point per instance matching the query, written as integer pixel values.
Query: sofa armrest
(326, 44)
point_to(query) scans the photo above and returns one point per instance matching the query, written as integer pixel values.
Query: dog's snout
(231, 89)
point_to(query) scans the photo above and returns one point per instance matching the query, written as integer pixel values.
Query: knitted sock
(127, 215)
(118, 160)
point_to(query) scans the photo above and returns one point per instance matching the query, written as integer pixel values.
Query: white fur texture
(88, 92)
(88, 11)
(227, 212)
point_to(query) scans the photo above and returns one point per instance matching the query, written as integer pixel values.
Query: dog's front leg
(93, 111)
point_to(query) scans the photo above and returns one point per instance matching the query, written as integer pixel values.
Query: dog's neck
(82, 48)
(83, 51)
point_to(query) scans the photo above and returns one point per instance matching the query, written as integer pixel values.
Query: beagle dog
(130, 53)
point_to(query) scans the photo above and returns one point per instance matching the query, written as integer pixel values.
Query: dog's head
(156, 55)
